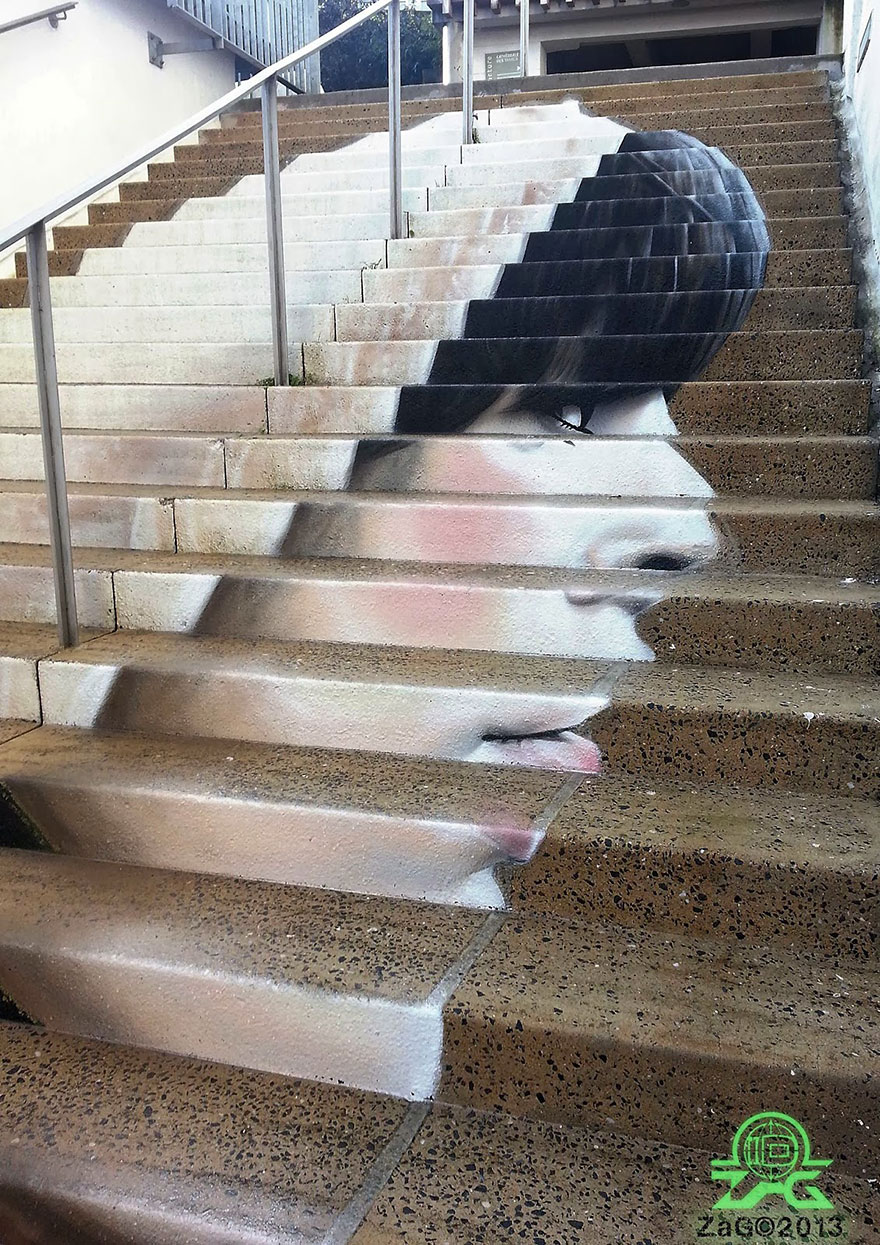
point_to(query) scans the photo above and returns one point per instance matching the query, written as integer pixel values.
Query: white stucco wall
(77, 99)
(862, 90)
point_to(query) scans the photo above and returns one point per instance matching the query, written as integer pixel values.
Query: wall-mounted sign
(502, 65)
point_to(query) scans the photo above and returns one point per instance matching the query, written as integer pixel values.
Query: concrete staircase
(442, 835)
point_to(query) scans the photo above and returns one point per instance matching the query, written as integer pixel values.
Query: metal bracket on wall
(158, 49)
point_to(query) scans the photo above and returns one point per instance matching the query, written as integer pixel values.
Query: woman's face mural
(559, 382)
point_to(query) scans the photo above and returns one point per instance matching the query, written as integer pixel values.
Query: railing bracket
(159, 49)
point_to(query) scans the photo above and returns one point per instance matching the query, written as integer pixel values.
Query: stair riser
(335, 203)
(231, 232)
(684, 88)
(123, 325)
(158, 363)
(317, 1035)
(142, 408)
(251, 257)
(205, 289)
(27, 594)
(809, 408)
(19, 694)
(343, 849)
(763, 104)
(639, 241)
(95, 521)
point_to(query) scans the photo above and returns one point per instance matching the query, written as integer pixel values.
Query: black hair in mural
(633, 288)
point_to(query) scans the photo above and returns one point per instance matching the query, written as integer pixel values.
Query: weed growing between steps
(268, 382)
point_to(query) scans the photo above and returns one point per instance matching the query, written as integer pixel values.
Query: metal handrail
(33, 228)
(49, 11)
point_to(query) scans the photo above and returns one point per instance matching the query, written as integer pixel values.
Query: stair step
(634, 242)
(409, 828)
(150, 1157)
(811, 407)
(232, 257)
(523, 1032)
(762, 178)
(143, 408)
(778, 204)
(684, 87)
(154, 363)
(119, 326)
(478, 279)
(510, 314)
(842, 467)
(246, 289)
(343, 988)
(805, 624)
(203, 1186)
(666, 1034)
(796, 355)
(832, 538)
(725, 725)
(777, 868)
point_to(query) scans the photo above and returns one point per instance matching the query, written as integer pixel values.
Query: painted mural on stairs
(631, 289)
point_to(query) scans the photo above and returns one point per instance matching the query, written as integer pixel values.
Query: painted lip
(634, 605)
(562, 750)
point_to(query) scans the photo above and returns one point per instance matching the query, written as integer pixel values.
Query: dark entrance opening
(684, 50)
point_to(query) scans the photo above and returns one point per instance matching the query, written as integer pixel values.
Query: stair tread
(840, 697)
(277, 774)
(799, 589)
(197, 1140)
(320, 939)
(719, 505)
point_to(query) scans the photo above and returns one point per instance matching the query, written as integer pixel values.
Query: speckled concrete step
(145, 408)
(805, 624)
(762, 178)
(769, 535)
(833, 354)
(720, 725)
(166, 325)
(681, 466)
(467, 1170)
(304, 982)
(669, 1035)
(508, 314)
(147, 1182)
(812, 407)
(154, 363)
(108, 1143)
(683, 88)
(794, 871)
(403, 828)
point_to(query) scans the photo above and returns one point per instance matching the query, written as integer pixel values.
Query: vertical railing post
(467, 73)
(524, 38)
(50, 431)
(275, 231)
(395, 177)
